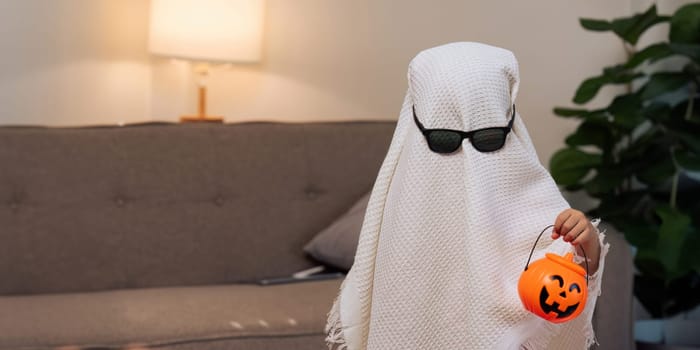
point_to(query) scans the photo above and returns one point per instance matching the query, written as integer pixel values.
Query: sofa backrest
(87, 209)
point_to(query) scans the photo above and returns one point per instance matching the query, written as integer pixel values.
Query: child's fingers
(582, 237)
(567, 227)
(576, 231)
(555, 235)
(561, 218)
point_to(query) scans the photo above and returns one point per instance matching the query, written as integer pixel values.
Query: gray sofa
(154, 236)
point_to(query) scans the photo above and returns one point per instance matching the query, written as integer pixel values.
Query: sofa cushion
(337, 243)
(169, 317)
(287, 342)
(89, 209)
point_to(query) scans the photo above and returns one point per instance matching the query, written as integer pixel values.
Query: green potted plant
(639, 156)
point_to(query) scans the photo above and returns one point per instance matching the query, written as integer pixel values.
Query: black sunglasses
(448, 141)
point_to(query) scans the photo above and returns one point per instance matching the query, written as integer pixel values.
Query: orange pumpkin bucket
(554, 287)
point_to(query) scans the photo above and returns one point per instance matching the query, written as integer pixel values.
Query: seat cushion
(228, 316)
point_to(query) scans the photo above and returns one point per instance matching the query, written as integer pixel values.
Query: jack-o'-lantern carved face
(554, 288)
(559, 298)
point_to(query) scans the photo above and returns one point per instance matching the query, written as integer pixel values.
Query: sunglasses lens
(442, 141)
(488, 140)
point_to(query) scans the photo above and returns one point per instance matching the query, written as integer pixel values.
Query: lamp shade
(207, 30)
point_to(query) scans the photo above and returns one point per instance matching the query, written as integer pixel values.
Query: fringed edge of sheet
(596, 280)
(523, 336)
(335, 340)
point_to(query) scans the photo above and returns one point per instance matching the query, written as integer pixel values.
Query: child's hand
(574, 227)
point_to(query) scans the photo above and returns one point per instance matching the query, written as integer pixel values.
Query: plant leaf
(631, 28)
(641, 235)
(689, 255)
(692, 69)
(569, 165)
(606, 180)
(589, 88)
(596, 114)
(662, 83)
(685, 25)
(626, 111)
(643, 146)
(591, 133)
(687, 160)
(691, 140)
(657, 172)
(651, 53)
(596, 25)
(691, 51)
(621, 209)
(672, 234)
(570, 112)
(618, 74)
(657, 112)
(614, 71)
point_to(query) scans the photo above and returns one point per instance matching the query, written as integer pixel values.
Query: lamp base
(201, 119)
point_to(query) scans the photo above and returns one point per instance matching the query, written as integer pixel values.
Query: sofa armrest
(613, 319)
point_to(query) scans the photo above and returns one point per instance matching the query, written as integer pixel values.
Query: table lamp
(206, 32)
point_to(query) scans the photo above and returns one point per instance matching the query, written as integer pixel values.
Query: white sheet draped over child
(446, 236)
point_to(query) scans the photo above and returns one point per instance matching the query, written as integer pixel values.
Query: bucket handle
(585, 258)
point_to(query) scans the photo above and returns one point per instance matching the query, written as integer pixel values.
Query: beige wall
(73, 62)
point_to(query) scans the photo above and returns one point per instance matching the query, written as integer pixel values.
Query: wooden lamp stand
(202, 117)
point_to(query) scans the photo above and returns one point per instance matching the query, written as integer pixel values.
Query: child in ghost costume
(447, 231)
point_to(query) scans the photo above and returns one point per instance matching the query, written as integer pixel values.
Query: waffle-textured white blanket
(445, 237)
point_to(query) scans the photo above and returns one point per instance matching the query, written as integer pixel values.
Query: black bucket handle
(585, 258)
